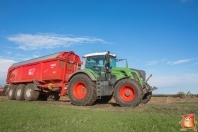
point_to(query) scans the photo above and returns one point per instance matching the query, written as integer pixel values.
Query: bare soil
(64, 101)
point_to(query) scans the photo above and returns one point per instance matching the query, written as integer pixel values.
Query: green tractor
(101, 79)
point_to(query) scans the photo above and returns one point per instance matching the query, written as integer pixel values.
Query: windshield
(97, 63)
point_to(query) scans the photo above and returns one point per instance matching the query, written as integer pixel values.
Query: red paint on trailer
(53, 70)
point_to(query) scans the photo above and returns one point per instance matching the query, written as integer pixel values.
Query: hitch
(153, 88)
(148, 88)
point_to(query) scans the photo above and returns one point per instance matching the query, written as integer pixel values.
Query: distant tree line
(180, 94)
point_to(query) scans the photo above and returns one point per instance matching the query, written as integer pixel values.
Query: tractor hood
(141, 73)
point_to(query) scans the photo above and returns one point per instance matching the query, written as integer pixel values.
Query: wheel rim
(127, 93)
(28, 92)
(80, 90)
(10, 92)
(18, 92)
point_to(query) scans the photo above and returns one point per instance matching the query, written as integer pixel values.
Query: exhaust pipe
(148, 78)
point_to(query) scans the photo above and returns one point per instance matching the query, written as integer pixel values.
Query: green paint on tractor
(101, 79)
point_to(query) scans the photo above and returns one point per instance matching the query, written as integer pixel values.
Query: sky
(157, 36)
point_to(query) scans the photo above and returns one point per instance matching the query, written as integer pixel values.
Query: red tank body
(47, 72)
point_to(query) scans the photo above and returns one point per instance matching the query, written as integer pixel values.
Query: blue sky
(158, 36)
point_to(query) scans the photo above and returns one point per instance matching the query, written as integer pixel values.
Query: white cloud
(179, 61)
(47, 41)
(4, 65)
(151, 63)
(174, 84)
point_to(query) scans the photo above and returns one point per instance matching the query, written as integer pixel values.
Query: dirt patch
(64, 101)
(162, 100)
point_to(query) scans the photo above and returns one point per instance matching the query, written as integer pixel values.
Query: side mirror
(107, 64)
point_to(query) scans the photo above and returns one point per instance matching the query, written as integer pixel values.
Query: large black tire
(5, 90)
(11, 92)
(146, 97)
(30, 94)
(82, 90)
(19, 93)
(128, 93)
(56, 96)
(104, 99)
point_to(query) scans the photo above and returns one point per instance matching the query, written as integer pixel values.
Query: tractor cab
(100, 62)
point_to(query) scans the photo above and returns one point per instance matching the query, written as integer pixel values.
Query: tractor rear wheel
(11, 92)
(30, 94)
(82, 90)
(128, 93)
(19, 93)
(146, 97)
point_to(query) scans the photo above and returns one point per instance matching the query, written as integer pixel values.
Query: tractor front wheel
(128, 93)
(81, 90)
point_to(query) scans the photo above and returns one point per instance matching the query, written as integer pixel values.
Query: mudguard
(85, 72)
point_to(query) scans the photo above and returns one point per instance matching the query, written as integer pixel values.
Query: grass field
(39, 116)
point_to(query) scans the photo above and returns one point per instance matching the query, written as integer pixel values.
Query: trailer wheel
(11, 92)
(56, 96)
(19, 93)
(82, 90)
(128, 93)
(104, 99)
(5, 90)
(30, 94)
(146, 97)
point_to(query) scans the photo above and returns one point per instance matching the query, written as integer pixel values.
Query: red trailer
(44, 76)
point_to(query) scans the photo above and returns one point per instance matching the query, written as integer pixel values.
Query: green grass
(36, 117)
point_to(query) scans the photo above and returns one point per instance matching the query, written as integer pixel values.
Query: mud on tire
(82, 90)
(30, 94)
(128, 93)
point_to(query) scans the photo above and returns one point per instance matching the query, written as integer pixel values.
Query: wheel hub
(128, 93)
(80, 90)
(28, 92)
(83, 90)
(18, 92)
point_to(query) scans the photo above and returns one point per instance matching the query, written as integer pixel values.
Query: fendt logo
(31, 71)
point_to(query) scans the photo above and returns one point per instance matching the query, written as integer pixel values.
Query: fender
(119, 80)
(85, 72)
